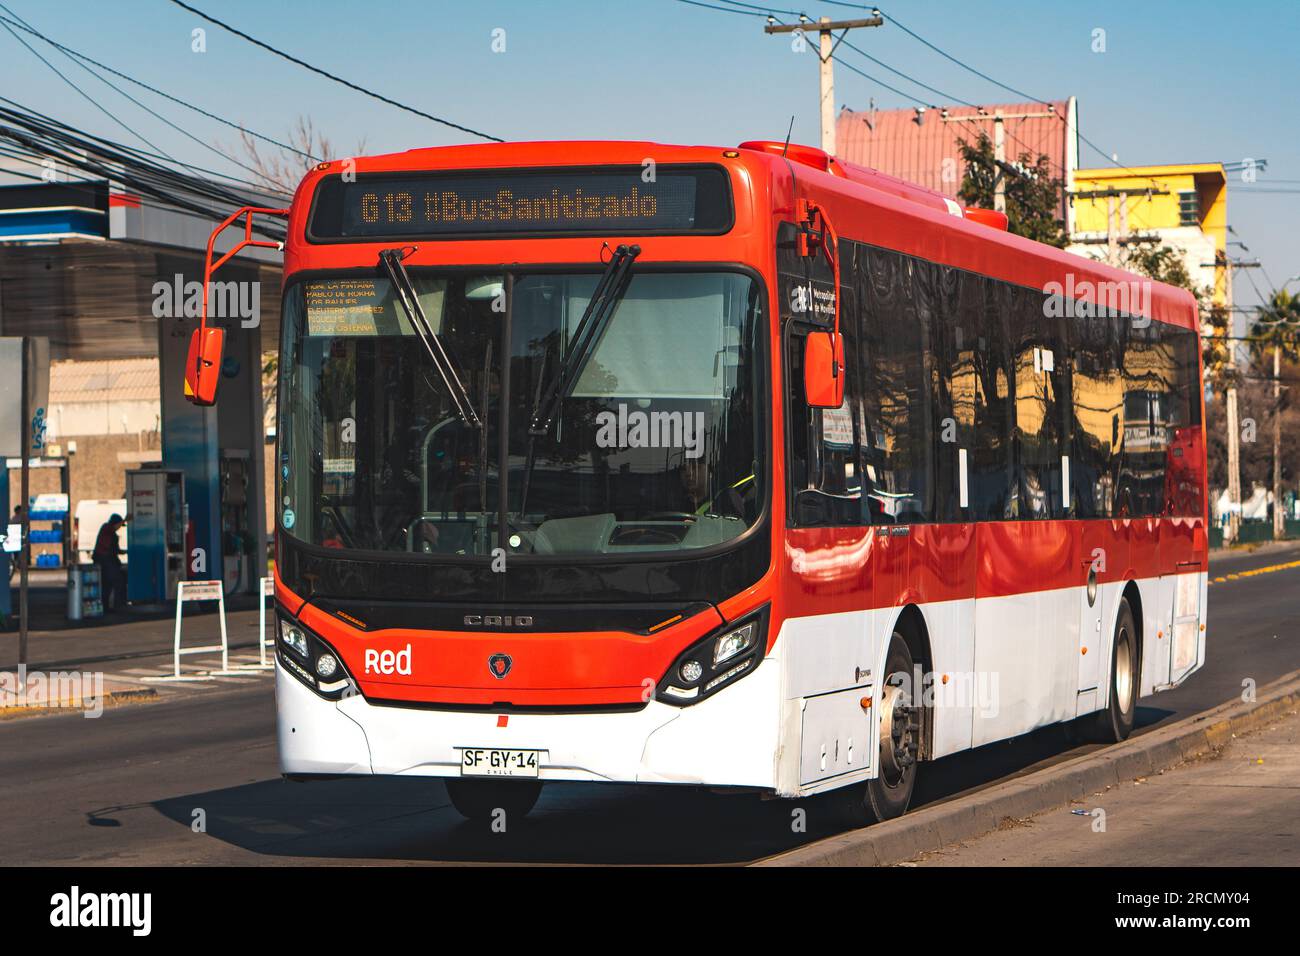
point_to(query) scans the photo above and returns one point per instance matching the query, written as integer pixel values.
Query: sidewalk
(54, 642)
(1259, 549)
(1239, 806)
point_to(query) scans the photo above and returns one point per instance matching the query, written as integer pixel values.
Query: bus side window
(826, 481)
(895, 302)
(823, 471)
(954, 387)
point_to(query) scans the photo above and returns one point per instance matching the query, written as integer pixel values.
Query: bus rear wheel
(478, 800)
(1115, 722)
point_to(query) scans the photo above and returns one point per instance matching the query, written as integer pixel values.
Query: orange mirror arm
(210, 267)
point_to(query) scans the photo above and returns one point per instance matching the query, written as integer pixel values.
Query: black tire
(889, 793)
(479, 799)
(1115, 722)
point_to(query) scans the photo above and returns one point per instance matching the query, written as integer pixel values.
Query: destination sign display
(607, 201)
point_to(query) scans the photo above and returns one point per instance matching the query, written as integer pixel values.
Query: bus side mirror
(823, 369)
(203, 366)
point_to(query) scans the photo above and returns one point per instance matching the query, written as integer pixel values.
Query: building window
(1189, 208)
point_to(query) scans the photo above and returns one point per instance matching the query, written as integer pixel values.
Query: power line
(1077, 132)
(750, 6)
(270, 190)
(948, 56)
(812, 26)
(337, 79)
(90, 99)
(157, 92)
(37, 135)
(158, 116)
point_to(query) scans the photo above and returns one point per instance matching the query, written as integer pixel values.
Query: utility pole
(825, 52)
(1230, 402)
(1002, 170)
(25, 438)
(1000, 158)
(1230, 413)
(1279, 516)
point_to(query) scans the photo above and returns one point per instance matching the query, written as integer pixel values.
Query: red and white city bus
(617, 461)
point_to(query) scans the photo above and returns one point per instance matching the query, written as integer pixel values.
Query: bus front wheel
(479, 800)
(889, 793)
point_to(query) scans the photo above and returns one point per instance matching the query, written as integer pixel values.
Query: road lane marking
(1238, 575)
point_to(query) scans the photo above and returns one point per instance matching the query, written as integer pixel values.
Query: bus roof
(863, 204)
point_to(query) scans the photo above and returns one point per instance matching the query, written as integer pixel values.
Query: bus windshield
(653, 447)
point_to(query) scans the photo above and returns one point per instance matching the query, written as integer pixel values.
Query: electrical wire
(330, 76)
(157, 92)
(34, 134)
(184, 132)
(90, 99)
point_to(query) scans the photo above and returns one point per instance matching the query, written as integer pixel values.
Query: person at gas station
(107, 555)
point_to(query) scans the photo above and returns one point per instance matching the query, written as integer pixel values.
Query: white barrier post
(267, 589)
(199, 591)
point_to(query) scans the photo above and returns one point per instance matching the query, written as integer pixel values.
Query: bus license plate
(493, 762)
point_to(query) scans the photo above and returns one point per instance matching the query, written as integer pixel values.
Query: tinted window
(1098, 392)
(899, 442)
(1037, 349)
(1148, 383)
(954, 385)
(824, 471)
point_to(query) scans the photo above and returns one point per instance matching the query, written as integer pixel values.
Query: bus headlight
(731, 654)
(313, 662)
(292, 637)
(734, 642)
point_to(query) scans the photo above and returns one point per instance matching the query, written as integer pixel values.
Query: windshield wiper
(591, 328)
(391, 260)
(604, 299)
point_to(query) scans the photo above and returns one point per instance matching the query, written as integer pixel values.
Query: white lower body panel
(803, 721)
(729, 739)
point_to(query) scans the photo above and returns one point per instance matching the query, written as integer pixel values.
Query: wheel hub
(899, 726)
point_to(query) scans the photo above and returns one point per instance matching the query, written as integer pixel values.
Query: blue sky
(1179, 81)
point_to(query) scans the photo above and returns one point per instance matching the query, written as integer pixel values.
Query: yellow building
(1183, 206)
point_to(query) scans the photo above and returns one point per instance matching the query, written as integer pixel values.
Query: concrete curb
(979, 813)
(124, 696)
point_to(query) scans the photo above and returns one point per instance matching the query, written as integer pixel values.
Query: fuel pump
(155, 501)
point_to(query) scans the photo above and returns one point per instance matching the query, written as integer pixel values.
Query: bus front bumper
(729, 739)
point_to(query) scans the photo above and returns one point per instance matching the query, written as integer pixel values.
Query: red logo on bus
(499, 665)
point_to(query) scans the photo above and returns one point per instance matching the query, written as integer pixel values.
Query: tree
(1168, 265)
(1275, 330)
(283, 170)
(1033, 196)
(1276, 327)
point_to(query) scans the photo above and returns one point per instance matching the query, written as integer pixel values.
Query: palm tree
(1277, 327)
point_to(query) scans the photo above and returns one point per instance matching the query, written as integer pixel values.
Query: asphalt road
(193, 778)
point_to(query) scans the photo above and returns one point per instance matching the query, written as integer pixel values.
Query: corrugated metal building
(922, 146)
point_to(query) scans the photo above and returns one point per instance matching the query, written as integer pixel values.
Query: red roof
(914, 147)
